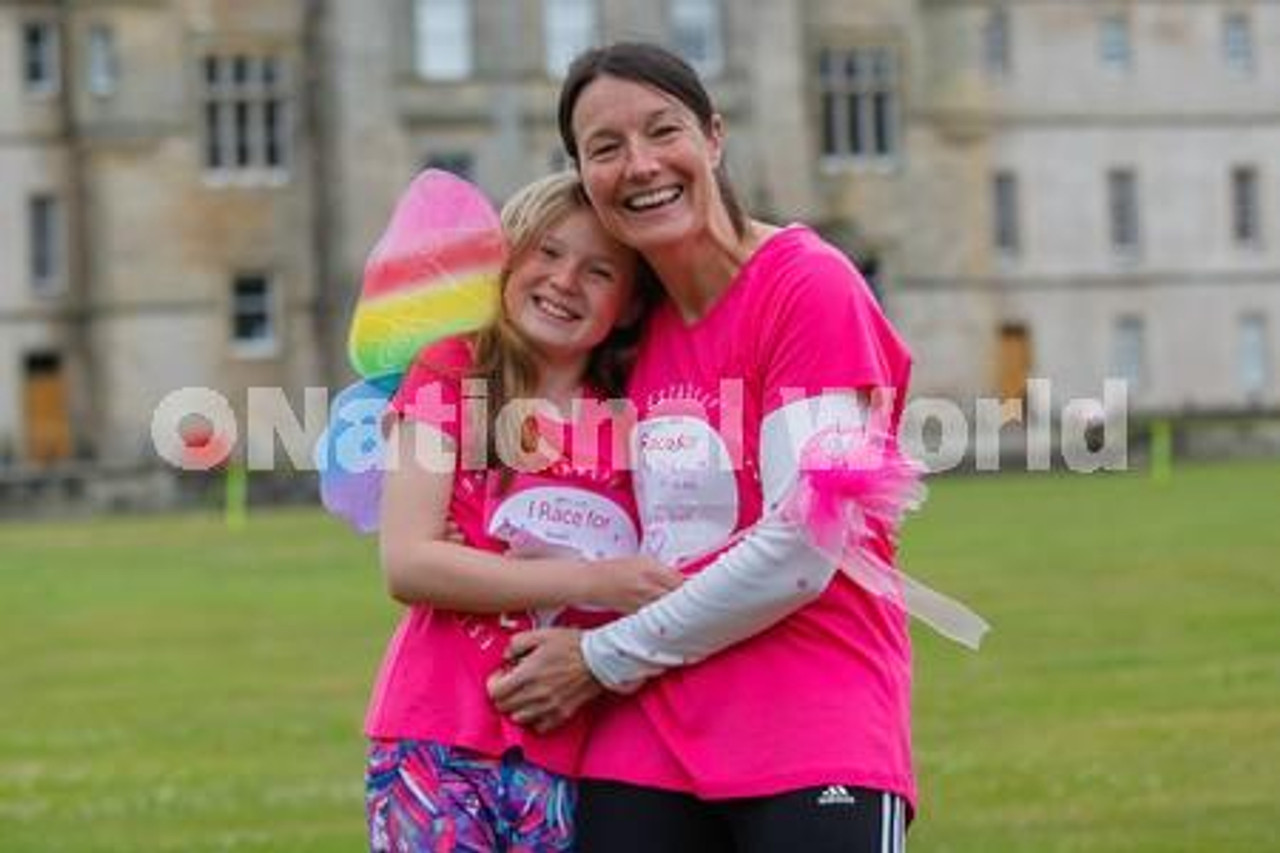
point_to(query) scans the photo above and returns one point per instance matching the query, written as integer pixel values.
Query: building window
(1004, 187)
(1122, 207)
(568, 28)
(696, 34)
(1245, 225)
(1253, 373)
(1129, 359)
(1114, 43)
(40, 57)
(253, 321)
(459, 163)
(443, 42)
(102, 67)
(1237, 42)
(859, 103)
(44, 215)
(995, 42)
(245, 115)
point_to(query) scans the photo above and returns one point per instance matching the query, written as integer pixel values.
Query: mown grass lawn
(168, 686)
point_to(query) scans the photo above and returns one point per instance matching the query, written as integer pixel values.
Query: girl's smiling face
(570, 288)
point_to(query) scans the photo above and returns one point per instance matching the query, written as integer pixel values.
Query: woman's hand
(546, 681)
(625, 584)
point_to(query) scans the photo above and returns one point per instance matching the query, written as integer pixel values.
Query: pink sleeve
(431, 392)
(825, 331)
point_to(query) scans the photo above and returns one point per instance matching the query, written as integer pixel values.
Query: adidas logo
(836, 795)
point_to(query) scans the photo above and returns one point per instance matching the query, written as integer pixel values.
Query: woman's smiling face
(646, 162)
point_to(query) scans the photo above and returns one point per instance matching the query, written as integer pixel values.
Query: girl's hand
(625, 584)
(546, 680)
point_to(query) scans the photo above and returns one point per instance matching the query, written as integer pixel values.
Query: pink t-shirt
(432, 681)
(823, 696)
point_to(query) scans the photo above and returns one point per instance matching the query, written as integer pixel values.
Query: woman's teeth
(650, 200)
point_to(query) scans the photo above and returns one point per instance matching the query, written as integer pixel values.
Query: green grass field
(168, 686)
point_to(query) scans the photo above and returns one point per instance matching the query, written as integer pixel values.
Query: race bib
(685, 487)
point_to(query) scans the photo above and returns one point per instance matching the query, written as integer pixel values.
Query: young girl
(446, 771)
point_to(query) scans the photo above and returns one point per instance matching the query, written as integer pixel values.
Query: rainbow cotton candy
(433, 274)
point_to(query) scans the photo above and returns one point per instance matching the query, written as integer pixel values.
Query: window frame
(102, 60)
(849, 115)
(431, 29)
(1238, 50)
(557, 57)
(1129, 358)
(711, 12)
(1253, 355)
(49, 59)
(1124, 214)
(1245, 194)
(266, 346)
(997, 43)
(243, 121)
(1006, 219)
(46, 244)
(1115, 42)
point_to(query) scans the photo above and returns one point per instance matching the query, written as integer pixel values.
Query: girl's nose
(562, 277)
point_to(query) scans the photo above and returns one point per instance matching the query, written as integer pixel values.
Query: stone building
(1094, 190)
(1060, 189)
(156, 192)
(1064, 189)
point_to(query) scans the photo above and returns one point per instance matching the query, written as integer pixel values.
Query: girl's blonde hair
(504, 356)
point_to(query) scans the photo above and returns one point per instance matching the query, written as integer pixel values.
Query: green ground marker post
(1161, 450)
(235, 506)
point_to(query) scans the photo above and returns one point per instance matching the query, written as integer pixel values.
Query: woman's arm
(420, 566)
(770, 573)
(767, 575)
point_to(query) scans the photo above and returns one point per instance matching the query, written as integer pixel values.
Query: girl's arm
(420, 566)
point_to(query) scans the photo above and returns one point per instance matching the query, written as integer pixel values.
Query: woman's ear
(715, 140)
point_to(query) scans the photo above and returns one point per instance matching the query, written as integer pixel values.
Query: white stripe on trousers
(901, 805)
(893, 834)
(885, 801)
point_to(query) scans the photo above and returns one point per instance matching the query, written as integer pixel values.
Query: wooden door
(1014, 363)
(48, 427)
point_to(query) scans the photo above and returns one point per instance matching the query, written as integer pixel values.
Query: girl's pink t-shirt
(431, 685)
(822, 697)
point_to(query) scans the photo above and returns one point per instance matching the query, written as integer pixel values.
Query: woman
(769, 705)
